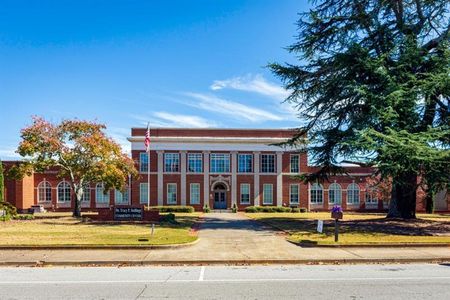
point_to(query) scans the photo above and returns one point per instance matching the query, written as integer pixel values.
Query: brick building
(218, 167)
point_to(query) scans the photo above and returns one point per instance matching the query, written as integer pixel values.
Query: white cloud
(120, 135)
(234, 109)
(252, 83)
(7, 153)
(165, 119)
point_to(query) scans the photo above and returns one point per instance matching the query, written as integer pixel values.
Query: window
(353, 194)
(220, 163)
(63, 192)
(100, 196)
(44, 192)
(195, 193)
(143, 162)
(143, 193)
(371, 196)
(267, 194)
(245, 193)
(171, 193)
(86, 197)
(316, 193)
(245, 163)
(295, 162)
(121, 197)
(267, 163)
(294, 193)
(195, 162)
(335, 194)
(171, 162)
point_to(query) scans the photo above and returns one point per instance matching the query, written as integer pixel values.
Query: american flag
(147, 139)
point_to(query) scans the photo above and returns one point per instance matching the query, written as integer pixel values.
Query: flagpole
(148, 168)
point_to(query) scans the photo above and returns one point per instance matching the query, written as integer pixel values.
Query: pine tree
(373, 82)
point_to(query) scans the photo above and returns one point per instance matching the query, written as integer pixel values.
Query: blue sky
(126, 63)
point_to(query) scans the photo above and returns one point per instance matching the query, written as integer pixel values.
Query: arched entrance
(220, 196)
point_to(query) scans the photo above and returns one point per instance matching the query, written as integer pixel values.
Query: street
(388, 281)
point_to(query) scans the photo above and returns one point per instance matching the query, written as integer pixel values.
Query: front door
(220, 200)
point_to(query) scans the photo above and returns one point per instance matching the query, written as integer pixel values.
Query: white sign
(2, 213)
(319, 226)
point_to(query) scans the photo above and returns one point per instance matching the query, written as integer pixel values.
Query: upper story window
(44, 192)
(295, 163)
(220, 163)
(63, 192)
(143, 162)
(267, 163)
(195, 163)
(245, 163)
(171, 162)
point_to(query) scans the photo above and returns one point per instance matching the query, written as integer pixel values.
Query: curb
(226, 262)
(101, 247)
(392, 245)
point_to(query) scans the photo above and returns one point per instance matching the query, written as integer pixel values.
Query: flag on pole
(147, 138)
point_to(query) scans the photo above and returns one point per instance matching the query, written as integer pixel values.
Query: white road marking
(220, 280)
(202, 273)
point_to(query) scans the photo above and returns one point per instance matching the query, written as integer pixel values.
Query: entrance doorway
(220, 199)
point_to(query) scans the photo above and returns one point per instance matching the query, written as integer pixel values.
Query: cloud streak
(252, 83)
(233, 109)
(166, 119)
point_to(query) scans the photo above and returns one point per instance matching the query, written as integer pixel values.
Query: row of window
(294, 194)
(335, 194)
(64, 192)
(219, 163)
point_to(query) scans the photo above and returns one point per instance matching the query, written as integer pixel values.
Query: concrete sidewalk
(227, 238)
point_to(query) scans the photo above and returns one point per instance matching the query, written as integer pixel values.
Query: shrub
(173, 208)
(24, 217)
(295, 210)
(303, 209)
(206, 208)
(9, 210)
(269, 209)
(234, 208)
(169, 218)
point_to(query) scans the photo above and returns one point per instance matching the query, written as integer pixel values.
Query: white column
(256, 178)
(206, 177)
(233, 177)
(279, 178)
(183, 178)
(160, 177)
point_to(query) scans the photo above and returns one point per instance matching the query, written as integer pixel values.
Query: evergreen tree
(373, 82)
(2, 183)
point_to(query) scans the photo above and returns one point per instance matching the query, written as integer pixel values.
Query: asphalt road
(420, 281)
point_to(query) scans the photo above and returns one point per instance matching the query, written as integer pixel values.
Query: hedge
(173, 208)
(255, 209)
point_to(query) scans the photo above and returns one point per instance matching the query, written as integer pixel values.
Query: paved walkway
(229, 238)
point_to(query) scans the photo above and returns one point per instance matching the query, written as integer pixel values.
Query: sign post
(337, 214)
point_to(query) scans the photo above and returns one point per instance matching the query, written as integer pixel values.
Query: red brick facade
(230, 144)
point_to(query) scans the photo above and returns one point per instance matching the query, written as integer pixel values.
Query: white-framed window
(143, 193)
(195, 163)
(121, 197)
(295, 163)
(353, 193)
(245, 163)
(267, 163)
(171, 162)
(220, 163)
(86, 197)
(64, 192)
(171, 193)
(195, 193)
(44, 192)
(294, 194)
(371, 195)
(143, 162)
(267, 193)
(316, 193)
(100, 196)
(335, 194)
(245, 193)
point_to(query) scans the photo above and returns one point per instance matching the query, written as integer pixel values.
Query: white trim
(206, 139)
(203, 146)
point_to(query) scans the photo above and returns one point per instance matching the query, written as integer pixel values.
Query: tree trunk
(403, 198)
(429, 201)
(77, 207)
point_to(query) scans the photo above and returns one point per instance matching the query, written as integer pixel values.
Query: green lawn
(65, 230)
(359, 228)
